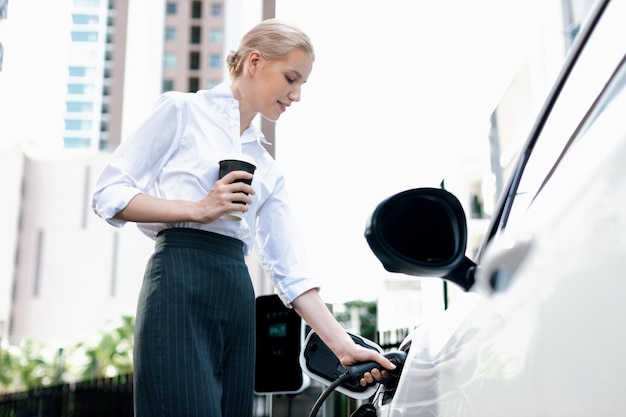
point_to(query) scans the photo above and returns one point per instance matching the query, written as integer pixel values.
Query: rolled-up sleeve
(135, 165)
(280, 248)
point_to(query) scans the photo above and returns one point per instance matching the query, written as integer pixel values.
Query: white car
(541, 330)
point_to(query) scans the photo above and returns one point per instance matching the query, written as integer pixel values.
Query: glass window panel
(87, 3)
(216, 9)
(84, 36)
(215, 61)
(77, 71)
(85, 19)
(76, 143)
(80, 88)
(216, 35)
(196, 9)
(76, 124)
(170, 34)
(169, 60)
(168, 85)
(194, 60)
(196, 34)
(3, 8)
(79, 106)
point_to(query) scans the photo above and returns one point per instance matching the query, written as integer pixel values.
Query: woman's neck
(246, 115)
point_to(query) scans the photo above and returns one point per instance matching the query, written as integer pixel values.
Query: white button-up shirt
(174, 155)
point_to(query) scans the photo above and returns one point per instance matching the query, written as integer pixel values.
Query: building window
(170, 34)
(3, 8)
(212, 83)
(85, 19)
(196, 35)
(215, 61)
(196, 9)
(76, 143)
(216, 35)
(168, 85)
(81, 71)
(84, 36)
(216, 9)
(78, 107)
(170, 7)
(73, 124)
(169, 60)
(194, 84)
(194, 60)
(80, 88)
(87, 3)
(38, 257)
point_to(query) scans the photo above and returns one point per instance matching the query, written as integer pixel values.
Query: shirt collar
(224, 95)
(222, 90)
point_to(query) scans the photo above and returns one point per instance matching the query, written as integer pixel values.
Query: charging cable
(329, 389)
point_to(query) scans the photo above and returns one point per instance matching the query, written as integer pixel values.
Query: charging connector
(321, 364)
(355, 372)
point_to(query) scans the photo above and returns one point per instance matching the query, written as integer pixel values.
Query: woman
(195, 336)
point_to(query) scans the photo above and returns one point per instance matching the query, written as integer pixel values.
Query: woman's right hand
(228, 194)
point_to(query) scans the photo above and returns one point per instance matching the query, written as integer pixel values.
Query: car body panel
(542, 331)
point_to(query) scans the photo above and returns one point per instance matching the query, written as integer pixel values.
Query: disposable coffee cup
(238, 162)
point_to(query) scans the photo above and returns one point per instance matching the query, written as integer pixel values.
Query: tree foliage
(31, 364)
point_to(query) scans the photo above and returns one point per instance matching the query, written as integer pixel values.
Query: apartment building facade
(192, 34)
(72, 272)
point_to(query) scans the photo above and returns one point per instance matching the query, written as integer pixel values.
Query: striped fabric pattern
(194, 337)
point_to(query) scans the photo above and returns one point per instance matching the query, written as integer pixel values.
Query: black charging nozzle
(357, 371)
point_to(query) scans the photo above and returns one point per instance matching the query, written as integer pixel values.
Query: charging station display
(279, 337)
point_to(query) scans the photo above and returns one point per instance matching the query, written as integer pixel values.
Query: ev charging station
(280, 333)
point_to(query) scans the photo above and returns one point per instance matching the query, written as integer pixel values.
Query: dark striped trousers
(194, 331)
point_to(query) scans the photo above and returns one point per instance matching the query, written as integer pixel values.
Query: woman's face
(277, 84)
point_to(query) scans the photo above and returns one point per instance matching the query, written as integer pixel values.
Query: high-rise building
(4, 4)
(73, 272)
(93, 71)
(193, 53)
(96, 69)
(192, 36)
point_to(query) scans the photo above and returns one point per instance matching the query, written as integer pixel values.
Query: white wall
(66, 258)
(399, 97)
(11, 162)
(144, 61)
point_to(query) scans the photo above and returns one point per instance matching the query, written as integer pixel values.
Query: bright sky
(399, 93)
(33, 77)
(401, 90)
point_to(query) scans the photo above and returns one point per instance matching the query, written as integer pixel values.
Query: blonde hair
(273, 39)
